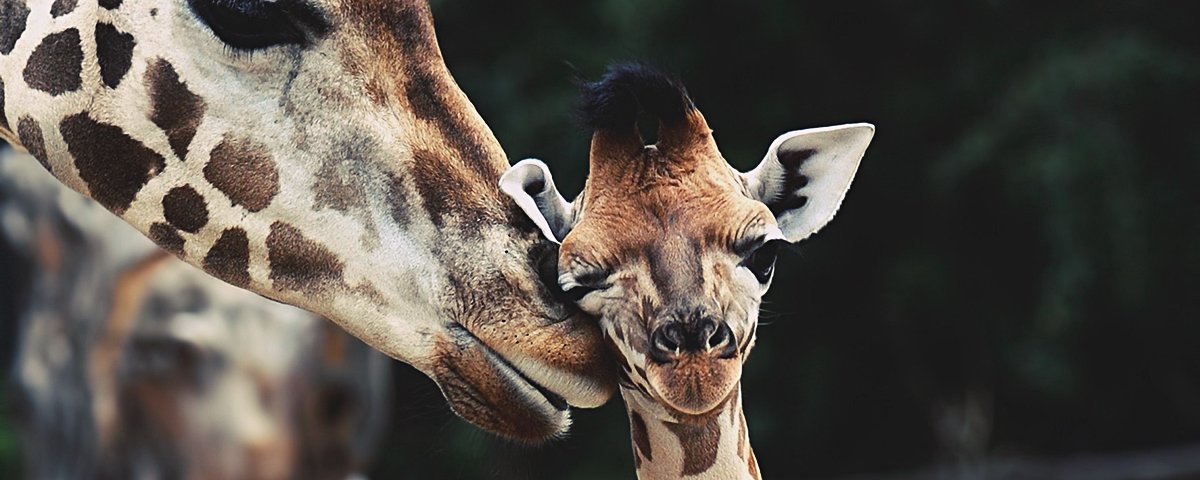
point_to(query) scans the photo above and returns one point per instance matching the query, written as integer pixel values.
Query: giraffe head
(671, 247)
(317, 152)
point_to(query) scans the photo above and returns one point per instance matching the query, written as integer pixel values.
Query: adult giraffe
(319, 153)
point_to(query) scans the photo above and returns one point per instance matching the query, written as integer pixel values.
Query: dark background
(1012, 280)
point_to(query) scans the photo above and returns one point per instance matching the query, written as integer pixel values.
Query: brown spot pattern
(404, 31)
(185, 209)
(448, 194)
(229, 258)
(244, 171)
(300, 264)
(113, 164)
(62, 7)
(56, 65)
(13, 14)
(3, 117)
(397, 196)
(174, 108)
(114, 52)
(430, 97)
(699, 442)
(641, 439)
(31, 137)
(335, 189)
(167, 237)
(344, 179)
(743, 442)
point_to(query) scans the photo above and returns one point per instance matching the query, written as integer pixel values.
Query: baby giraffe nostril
(706, 335)
(664, 343)
(723, 341)
(720, 336)
(669, 338)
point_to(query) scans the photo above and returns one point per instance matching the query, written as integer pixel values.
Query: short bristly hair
(628, 89)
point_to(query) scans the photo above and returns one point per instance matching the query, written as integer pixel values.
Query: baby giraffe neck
(667, 444)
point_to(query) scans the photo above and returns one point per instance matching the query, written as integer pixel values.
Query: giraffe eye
(258, 24)
(575, 294)
(762, 262)
(547, 269)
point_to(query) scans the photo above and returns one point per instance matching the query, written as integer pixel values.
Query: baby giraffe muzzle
(693, 360)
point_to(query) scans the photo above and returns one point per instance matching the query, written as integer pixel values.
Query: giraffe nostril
(720, 336)
(668, 338)
(723, 341)
(706, 335)
(665, 343)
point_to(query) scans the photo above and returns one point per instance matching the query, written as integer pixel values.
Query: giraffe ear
(806, 174)
(530, 184)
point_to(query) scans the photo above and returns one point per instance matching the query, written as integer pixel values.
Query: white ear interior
(530, 184)
(806, 174)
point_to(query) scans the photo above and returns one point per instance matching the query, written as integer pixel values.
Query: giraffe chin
(484, 389)
(694, 384)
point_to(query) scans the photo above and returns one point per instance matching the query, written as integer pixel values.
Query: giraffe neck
(666, 444)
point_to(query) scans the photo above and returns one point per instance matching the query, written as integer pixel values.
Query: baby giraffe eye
(762, 262)
(578, 287)
(258, 24)
(576, 293)
(547, 268)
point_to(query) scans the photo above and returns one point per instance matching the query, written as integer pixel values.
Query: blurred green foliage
(1014, 270)
(9, 453)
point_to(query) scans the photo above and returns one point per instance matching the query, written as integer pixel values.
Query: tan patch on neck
(700, 443)
(641, 439)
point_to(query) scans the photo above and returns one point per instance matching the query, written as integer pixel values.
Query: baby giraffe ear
(530, 184)
(806, 174)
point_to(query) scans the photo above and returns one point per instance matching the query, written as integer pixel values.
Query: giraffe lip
(556, 400)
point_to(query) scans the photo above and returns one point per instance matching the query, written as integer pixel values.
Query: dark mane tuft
(627, 89)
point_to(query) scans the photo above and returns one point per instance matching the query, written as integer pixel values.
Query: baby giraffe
(672, 249)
